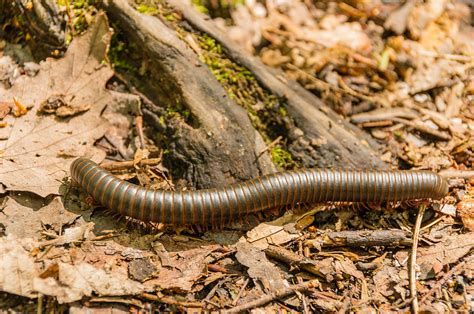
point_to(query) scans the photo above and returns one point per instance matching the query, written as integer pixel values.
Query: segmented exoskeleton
(218, 206)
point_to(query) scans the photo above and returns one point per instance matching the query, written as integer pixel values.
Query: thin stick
(39, 307)
(278, 139)
(237, 298)
(271, 297)
(122, 165)
(455, 173)
(303, 297)
(139, 127)
(412, 271)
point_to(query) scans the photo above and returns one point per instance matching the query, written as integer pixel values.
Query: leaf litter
(412, 91)
(33, 145)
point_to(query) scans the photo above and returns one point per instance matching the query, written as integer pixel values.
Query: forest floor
(402, 73)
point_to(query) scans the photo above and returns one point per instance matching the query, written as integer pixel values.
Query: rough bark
(344, 144)
(218, 143)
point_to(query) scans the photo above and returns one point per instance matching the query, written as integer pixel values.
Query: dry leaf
(76, 281)
(30, 160)
(449, 251)
(19, 220)
(55, 215)
(17, 268)
(259, 267)
(5, 108)
(187, 267)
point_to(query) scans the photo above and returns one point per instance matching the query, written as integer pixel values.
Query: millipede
(221, 205)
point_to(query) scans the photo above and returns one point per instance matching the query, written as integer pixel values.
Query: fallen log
(216, 143)
(342, 143)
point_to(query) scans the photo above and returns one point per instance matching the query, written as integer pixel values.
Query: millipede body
(220, 205)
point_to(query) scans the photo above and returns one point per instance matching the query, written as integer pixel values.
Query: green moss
(145, 9)
(155, 8)
(199, 5)
(217, 8)
(265, 110)
(282, 158)
(118, 54)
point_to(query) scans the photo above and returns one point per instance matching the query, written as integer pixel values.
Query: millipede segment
(219, 206)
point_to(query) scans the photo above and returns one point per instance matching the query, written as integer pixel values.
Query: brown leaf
(20, 221)
(347, 267)
(449, 251)
(55, 215)
(142, 269)
(465, 210)
(17, 268)
(187, 267)
(259, 267)
(31, 159)
(5, 108)
(77, 281)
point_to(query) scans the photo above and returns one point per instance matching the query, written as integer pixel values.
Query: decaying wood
(342, 144)
(219, 144)
(45, 24)
(293, 260)
(271, 297)
(364, 238)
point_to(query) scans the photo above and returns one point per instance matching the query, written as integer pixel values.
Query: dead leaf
(30, 160)
(347, 267)
(398, 19)
(55, 215)
(17, 268)
(71, 235)
(389, 281)
(19, 220)
(449, 251)
(161, 252)
(5, 108)
(465, 210)
(57, 104)
(187, 267)
(76, 281)
(259, 267)
(142, 269)
(275, 232)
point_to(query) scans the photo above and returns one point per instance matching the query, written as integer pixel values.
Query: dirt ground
(394, 77)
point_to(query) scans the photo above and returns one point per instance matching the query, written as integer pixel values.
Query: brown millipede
(218, 206)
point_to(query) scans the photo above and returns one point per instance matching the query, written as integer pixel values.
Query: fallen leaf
(76, 281)
(398, 19)
(389, 281)
(71, 235)
(142, 269)
(465, 210)
(275, 232)
(449, 251)
(20, 221)
(347, 267)
(187, 267)
(5, 109)
(31, 161)
(55, 215)
(17, 268)
(58, 105)
(259, 267)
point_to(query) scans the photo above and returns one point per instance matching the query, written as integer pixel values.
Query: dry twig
(412, 271)
(270, 297)
(123, 165)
